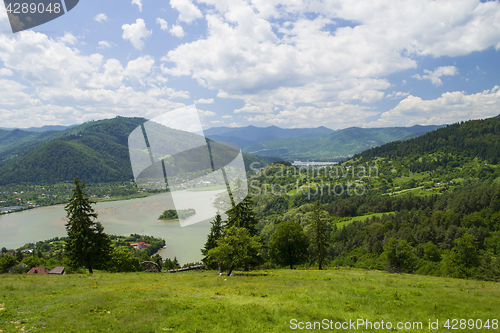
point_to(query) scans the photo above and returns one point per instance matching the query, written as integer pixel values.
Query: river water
(134, 216)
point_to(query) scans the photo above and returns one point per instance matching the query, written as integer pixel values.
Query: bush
(121, 260)
(19, 269)
(6, 262)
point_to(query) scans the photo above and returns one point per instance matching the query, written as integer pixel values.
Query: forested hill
(473, 138)
(96, 151)
(335, 146)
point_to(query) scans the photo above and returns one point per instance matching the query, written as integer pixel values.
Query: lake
(135, 216)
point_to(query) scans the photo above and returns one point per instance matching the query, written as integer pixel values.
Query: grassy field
(361, 218)
(205, 302)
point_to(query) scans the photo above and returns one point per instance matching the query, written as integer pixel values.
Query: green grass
(360, 218)
(205, 302)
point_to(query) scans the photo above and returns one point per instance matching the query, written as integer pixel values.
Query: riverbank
(123, 217)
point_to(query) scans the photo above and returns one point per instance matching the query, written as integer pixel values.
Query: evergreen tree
(87, 244)
(242, 216)
(319, 227)
(216, 233)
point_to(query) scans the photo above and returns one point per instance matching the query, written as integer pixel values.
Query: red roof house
(140, 245)
(38, 270)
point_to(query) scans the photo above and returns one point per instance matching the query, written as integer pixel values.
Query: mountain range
(250, 135)
(97, 151)
(336, 145)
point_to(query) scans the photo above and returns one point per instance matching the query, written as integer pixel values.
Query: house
(58, 270)
(38, 270)
(140, 245)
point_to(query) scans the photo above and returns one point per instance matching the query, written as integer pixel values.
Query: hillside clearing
(257, 302)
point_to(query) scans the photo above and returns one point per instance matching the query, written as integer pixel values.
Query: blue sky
(288, 63)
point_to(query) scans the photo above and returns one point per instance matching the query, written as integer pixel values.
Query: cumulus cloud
(68, 38)
(177, 31)
(104, 44)
(138, 3)
(93, 87)
(398, 94)
(138, 69)
(163, 24)
(188, 12)
(100, 17)
(136, 33)
(6, 72)
(448, 108)
(435, 76)
(204, 101)
(268, 54)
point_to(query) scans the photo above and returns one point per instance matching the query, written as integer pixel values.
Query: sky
(289, 63)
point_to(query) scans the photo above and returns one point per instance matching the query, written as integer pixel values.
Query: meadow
(258, 301)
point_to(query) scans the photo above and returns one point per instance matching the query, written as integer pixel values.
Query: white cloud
(398, 94)
(448, 108)
(138, 3)
(435, 76)
(177, 31)
(136, 33)
(204, 113)
(163, 24)
(269, 54)
(204, 101)
(101, 17)
(188, 12)
(6, 72)
(68, 38)
(104, 44)
(138, 69)
(13, 94)
(62, 85)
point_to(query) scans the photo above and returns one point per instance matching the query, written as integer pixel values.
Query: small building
(38, 270)
(140, 245)
(57, 270)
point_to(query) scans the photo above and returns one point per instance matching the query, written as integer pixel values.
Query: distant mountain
(337, 145)
(45, 128)
(250, 135)
(96, 151)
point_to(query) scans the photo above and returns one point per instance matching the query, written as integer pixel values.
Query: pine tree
(216, 233)
(242, 216)
(320, 228)
(87, 244)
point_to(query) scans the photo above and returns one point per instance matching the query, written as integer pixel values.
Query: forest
(430, 207)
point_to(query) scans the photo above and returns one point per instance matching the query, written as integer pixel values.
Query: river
(125, 217)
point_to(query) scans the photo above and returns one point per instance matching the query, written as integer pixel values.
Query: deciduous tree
(288, 245)
(238, 248)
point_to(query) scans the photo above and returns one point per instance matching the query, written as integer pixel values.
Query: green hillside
(95, 151)
(470, 139)
(264, 301)
(334, 146)
(432, 201)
